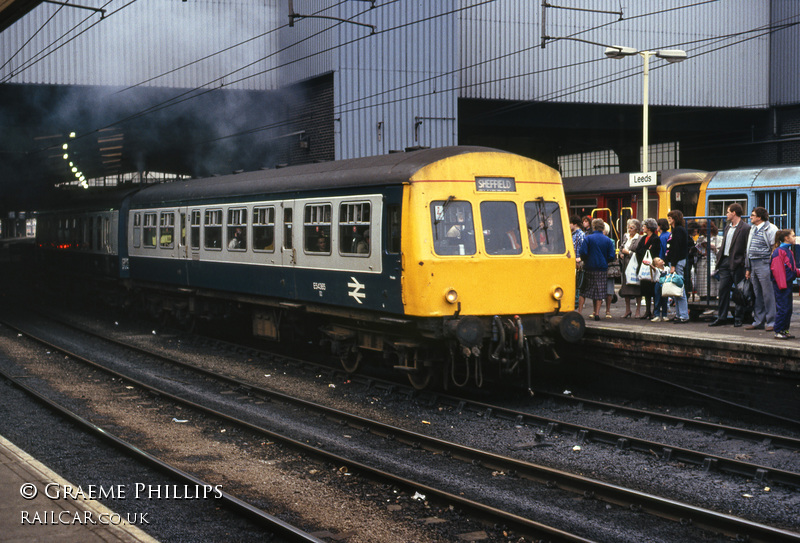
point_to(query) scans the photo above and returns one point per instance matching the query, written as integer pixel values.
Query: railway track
(485, 461)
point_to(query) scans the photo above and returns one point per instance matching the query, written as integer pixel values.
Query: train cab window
(354, 234)
(237, 229)
(501, 228)
(545, 234)
(393, 243)
(194, 229)
(149, 230)
(264, 229)
(288, 240)
(317, 228)
(137, 229)
(166, 229)
(453, 227)
(213, 229)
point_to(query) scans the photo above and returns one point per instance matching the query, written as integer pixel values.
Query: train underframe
(452, 352)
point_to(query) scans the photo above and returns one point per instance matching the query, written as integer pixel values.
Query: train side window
(393, 212)
(264, 229)
(501, 228)
(213, 229)
(453, 227)
(354, 234)
(545, 234)
(166, 229)
(718, 206)
(237, 229)
(149, 230)
(137, 229)
(194, 229)
(288, 240)
(317, 228)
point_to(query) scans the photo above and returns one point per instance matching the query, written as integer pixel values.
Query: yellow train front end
(488, 261)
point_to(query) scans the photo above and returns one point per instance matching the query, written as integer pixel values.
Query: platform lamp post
(670, 55)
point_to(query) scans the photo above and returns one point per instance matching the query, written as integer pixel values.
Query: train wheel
(351, 359)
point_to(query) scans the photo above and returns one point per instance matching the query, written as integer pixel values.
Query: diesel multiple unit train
(451, 263)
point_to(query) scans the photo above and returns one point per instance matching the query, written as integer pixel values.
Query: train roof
(394, 168)
(755, 178)
(619, 181)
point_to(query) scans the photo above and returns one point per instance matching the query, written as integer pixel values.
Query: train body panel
(772, 188)
(464, 235)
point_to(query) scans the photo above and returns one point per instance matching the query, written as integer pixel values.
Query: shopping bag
(672, 286)
(645, 273)
(631, 271)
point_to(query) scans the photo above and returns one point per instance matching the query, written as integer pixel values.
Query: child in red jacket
(784, 272)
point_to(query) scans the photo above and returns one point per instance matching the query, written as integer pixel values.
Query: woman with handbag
(676, 257)
(627, 250)
(648, 248)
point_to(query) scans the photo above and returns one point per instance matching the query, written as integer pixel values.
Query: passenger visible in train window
(784, 272)
(362, 247)
(760, 243)
(237, 241)
(322, 244)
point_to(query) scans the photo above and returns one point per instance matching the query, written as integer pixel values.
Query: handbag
(672, 286)
(631, 271)
(645, 273)
(580, 278)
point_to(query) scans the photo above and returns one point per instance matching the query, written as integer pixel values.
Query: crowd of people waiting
(663, 262)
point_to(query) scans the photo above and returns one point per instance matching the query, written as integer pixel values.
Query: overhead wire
(38, 57)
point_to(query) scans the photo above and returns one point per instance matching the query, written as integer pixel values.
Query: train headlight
(451, 296)
(558, 293)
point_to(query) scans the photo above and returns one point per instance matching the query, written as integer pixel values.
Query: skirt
(595, 285)
(629, 291)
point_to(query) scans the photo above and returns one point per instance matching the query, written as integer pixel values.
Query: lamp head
(618, 51)
(672, 55)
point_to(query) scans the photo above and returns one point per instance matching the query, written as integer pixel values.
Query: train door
(620, 210)
(289, 247)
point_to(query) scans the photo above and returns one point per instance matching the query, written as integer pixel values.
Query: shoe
(647, 316)
(680, 321)
(717, 322)
(597, 317)
(608, 316)
(626, 316)
(754, 327)
(591, 317)
(784, 335)
(656, 319)
(737, 324)
(769, 328)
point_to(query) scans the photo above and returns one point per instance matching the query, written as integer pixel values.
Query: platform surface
(49, 519)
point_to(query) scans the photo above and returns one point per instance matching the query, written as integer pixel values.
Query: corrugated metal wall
(400, 86)
(153, 43)
(785, 54)
(501, 57)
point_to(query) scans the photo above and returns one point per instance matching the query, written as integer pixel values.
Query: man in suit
(731, 258)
